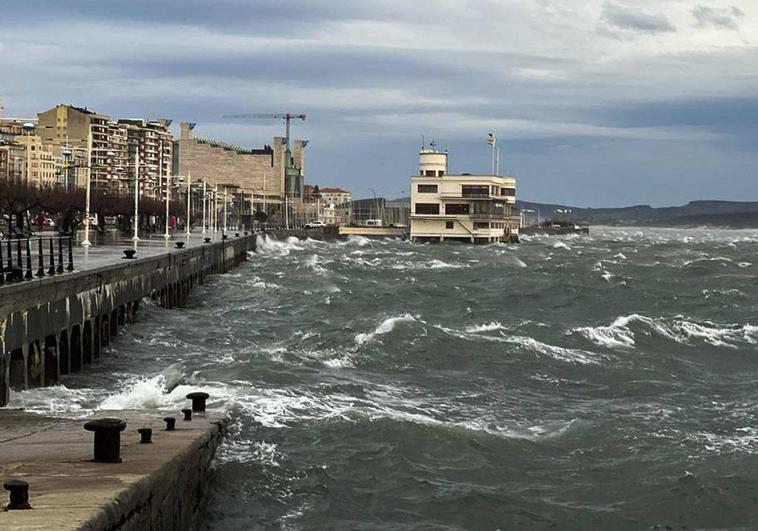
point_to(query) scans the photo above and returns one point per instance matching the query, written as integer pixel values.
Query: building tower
(432, 163)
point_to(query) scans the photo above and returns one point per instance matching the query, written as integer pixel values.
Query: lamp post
(225, 226)
(205, 193)
(86, 242)
(135, 238)
(215, 208)
(189, 202)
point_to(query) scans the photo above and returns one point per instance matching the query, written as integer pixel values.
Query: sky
(593, 102)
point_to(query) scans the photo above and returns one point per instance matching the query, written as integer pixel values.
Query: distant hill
(731, 214)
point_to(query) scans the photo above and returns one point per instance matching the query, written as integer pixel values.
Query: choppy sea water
(607, 382)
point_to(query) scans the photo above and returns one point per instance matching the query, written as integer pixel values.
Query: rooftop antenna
(423, 142)
(1, 106)
(433, 145)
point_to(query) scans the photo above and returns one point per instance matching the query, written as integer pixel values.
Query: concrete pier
(53, 326)
(157, 486)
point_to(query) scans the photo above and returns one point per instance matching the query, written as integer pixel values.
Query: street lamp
(205, 196)
(135, 238)
(86, 242)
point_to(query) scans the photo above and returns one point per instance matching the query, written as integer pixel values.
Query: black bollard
(236, 234)
(170, 423)
(51, 269)
(60, 255)
(19, 262)
(187, 414)
(29, 274)
(2, 266)
(129, 254)
(19, 491)
(146, 435)
(107, 438)
(10, 256)
(179, 245)
(70, 255)
(198, 400)
(41, 259)
(207, 240)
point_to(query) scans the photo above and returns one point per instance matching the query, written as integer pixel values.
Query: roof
(333, 191)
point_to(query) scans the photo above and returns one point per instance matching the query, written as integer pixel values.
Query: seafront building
(465, 207)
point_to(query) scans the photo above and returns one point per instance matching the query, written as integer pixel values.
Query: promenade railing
(23, 259)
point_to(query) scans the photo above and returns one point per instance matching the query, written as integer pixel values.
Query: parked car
(314, 225)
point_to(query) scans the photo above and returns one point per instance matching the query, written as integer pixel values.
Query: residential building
(39, 167)
(12, 162)
(334, 196)
(70, 126)
(473, 208)
(154, 143)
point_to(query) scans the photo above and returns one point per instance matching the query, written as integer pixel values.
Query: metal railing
(24, 259)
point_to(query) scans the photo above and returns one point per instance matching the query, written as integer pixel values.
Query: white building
(472, 208)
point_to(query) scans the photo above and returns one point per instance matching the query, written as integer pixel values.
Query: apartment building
(70, 126)
(153, 142)
(471, 208)
(334, 196)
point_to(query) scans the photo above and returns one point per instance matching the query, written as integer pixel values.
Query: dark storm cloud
(634, 19)
(728, 18)
(721, 115)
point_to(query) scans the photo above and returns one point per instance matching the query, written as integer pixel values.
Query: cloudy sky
(594, 102)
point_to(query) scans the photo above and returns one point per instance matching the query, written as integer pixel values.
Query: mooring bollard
(207, 240)
(40, 259)
(187, 414)
(236, 234)
(70, 256)
(51, 269)
(179, 245)
(107, 438)
(170, 423)
(198, 400)
(129, 254)
(146, 435)
(60, 255)
(19, 491)
(245, 233)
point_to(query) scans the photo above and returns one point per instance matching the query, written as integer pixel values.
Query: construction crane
(282, 116)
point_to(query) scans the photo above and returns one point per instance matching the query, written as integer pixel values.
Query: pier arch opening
(76, 349)
(17, 369)
(64, 353)
(51, 360)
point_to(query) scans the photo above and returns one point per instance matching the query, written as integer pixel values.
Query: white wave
(680, 330)
(268, 245)
(144, 393)
(339, 363)
(561, 245)
(386, 326)
(54, 400)
(567, 355)
(608, 336)
(487, 327)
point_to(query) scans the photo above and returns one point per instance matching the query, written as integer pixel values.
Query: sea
(601, 382)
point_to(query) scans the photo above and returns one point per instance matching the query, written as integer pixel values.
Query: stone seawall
(54, 326)
(160, 486)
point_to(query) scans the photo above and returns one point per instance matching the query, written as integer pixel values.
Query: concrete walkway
(96, 256)
(157, 486)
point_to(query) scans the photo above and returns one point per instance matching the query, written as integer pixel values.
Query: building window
(427, 208)
(441, 173)
(510, 192)
(427, 188)
(472, 190)
(457, 209)
(448, 225)
(430, 173)
(481, 225)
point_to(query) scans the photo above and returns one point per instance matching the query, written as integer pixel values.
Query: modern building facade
(262, 175)
(471, 208)
(148, 147)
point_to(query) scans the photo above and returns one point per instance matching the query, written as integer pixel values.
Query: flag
(491, 139)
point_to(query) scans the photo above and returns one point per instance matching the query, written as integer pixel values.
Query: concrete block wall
(56, 325)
